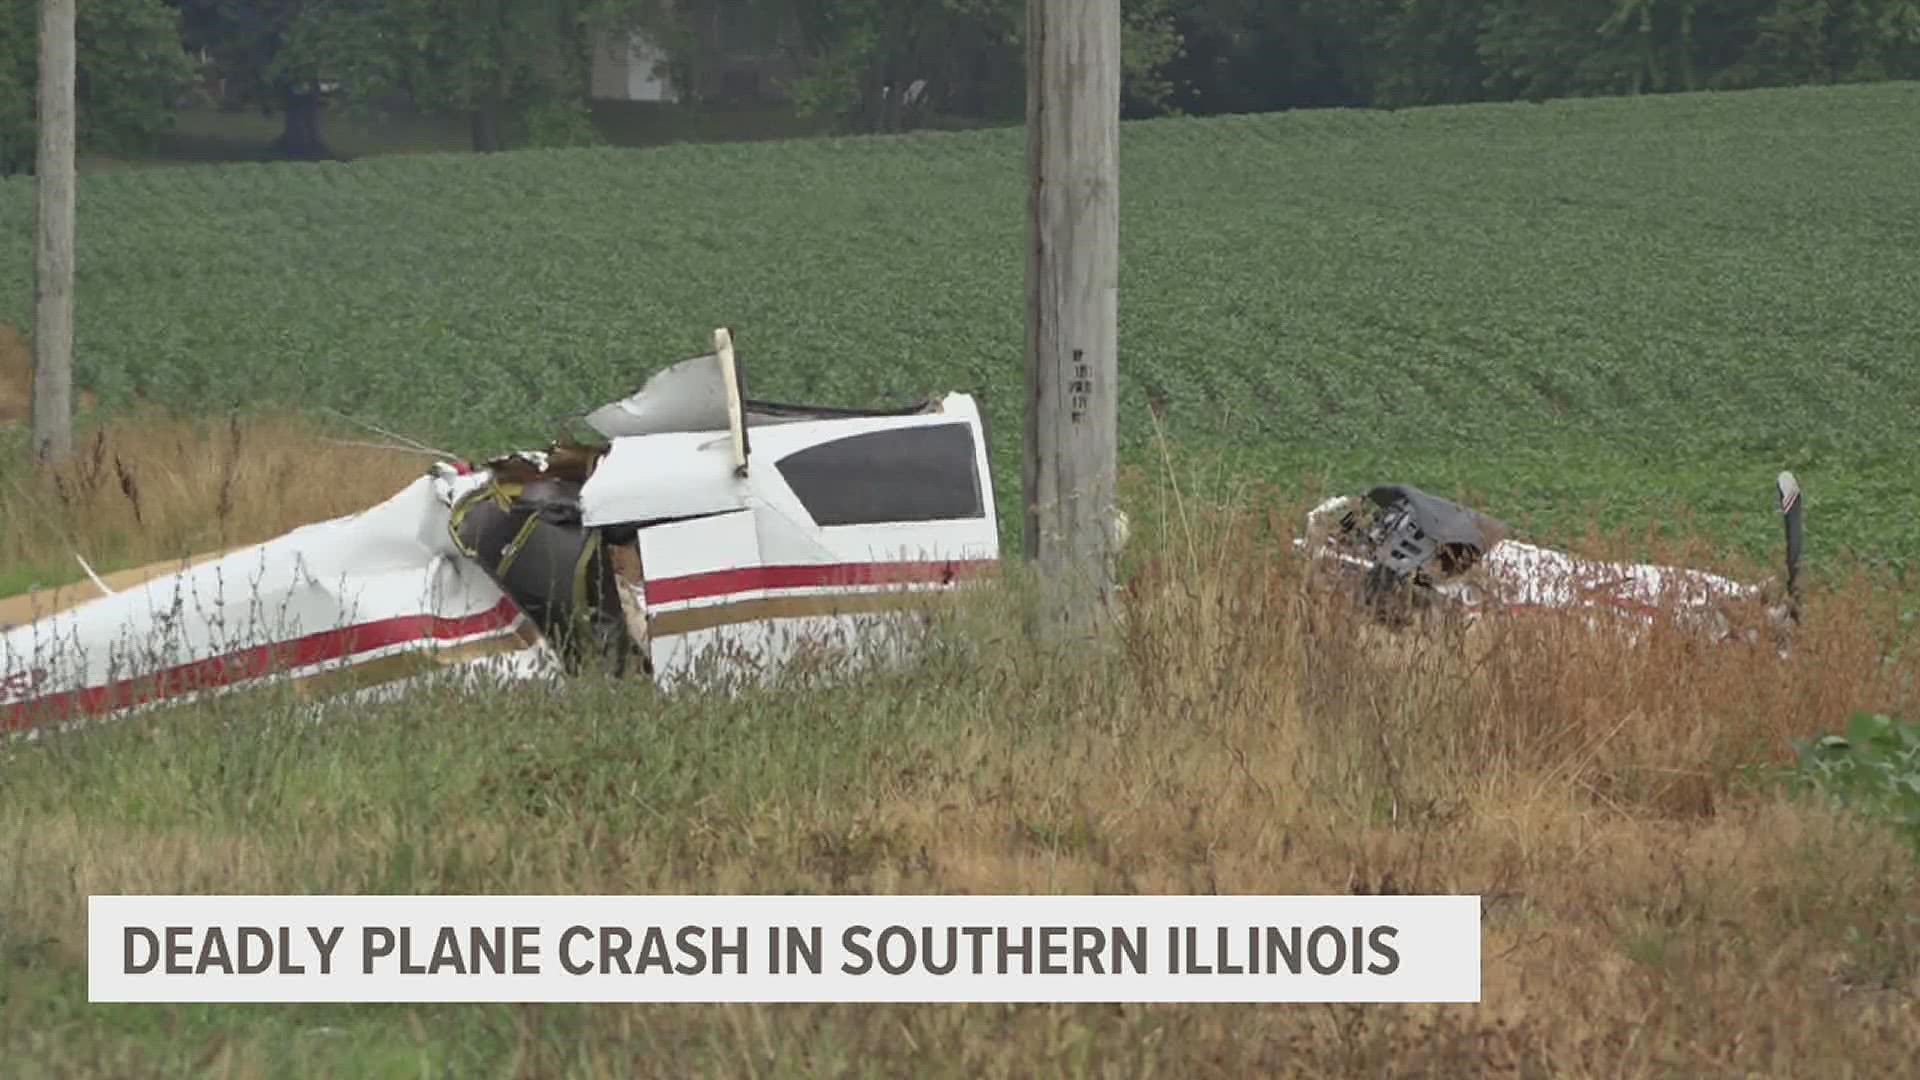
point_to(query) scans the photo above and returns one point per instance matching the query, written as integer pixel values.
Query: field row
(1636, 305)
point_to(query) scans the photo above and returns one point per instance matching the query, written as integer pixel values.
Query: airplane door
(701, 578)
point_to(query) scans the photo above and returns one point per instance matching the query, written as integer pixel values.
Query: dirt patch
(16, 375)
(16, 378)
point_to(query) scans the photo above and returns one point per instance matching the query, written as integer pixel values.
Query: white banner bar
(783, 948)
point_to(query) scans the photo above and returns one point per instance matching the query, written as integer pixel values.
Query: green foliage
(274, 55)
(1538, 51)
(1874, 768)
(855, 60)
(129, 72)
(1417, 52)
(1428, 53)
(519, 69)
(1629, 306)
(1821, 41)
(254, 45)
(19, 67)
(1149, 41)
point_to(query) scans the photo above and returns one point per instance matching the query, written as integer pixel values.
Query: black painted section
(900, 475)
(541, 577)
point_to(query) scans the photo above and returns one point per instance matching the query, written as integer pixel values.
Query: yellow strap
(459, 515)
(583, 622)
(513, 547)
(502, 496)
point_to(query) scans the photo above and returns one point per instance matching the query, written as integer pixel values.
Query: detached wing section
(1458, 554)
(373, 598)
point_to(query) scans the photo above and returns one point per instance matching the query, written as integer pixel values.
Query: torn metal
(1403, 550)
(706, 528)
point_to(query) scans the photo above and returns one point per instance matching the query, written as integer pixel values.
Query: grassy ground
(1621, 305)
(1622, 311)
(1650, 910)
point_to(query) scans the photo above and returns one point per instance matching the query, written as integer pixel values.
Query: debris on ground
(1402, 550)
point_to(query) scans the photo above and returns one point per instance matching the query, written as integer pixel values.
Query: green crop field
(1640, 307)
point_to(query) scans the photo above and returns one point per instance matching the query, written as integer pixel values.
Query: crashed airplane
(1402, 550)
(704, 525)
(705, 530)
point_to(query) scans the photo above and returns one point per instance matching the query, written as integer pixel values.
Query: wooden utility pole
(1073, 223)
(52, 408)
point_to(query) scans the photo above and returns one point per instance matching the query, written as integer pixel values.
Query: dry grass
(16, 376)
(1646, 912)
(16, 379)
(154, 487)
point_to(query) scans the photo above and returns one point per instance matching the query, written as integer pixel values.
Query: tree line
(518, 70)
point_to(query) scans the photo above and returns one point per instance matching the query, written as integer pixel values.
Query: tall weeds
(1646, 911)
(157, 486)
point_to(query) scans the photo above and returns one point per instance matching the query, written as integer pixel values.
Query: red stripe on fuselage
(252, 663)
(823, 575)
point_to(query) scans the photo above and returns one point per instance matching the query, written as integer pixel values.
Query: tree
(1259, 55)
(518, 70)
(1818, 41)
(1150, 42)
(130, 70)
(889, 65)
(273, 55)
(1425, 52)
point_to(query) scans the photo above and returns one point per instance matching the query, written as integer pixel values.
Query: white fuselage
(734, 566)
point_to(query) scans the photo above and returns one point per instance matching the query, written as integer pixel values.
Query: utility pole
(1073, 252)
(52, 408)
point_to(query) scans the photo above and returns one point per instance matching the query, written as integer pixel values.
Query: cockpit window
(924, 473)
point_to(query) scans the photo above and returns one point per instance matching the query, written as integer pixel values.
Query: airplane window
(921, 473)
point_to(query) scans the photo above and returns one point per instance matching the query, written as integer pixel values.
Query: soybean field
(1640, 308)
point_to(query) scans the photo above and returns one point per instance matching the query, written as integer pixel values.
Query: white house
(630, 69)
